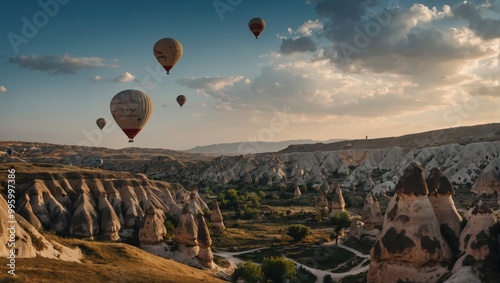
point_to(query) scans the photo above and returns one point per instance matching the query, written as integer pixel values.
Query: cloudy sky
(322, 69)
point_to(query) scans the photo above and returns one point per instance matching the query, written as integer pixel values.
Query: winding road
(234, 261)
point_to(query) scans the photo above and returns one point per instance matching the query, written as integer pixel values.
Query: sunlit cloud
(3, 88)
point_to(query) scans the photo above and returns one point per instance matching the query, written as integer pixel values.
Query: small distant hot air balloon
(131, 110)
(9, 151)
(98, 162)
(168, 51)
(181, 99)
(101, 123)
(257, 25)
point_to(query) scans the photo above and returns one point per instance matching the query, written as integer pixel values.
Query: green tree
(277, 269)
(248, 271)
(327, 279)
(339, 222)
(298, 232)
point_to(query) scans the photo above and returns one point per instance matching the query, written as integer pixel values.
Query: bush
(248, 271)
(298, 232)
(277, 269)
(327, 279)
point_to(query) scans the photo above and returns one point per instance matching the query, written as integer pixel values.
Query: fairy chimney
(216, 217)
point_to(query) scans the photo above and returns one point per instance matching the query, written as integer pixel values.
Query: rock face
(152, 229)
(410, 246)
(109, 222)
(371, 216)
(440, 196)
(322, 203)
(186, 233)
(297, 192)
(216, 217)
(488, 181)
(29, 243)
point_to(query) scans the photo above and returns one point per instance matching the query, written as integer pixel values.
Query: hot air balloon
(167, 51)
(181, 99)
(131, 110)
(257, 25)
(9, 151)
(98, 162)
(101, 123)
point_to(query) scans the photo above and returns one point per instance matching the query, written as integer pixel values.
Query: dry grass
(105, 262)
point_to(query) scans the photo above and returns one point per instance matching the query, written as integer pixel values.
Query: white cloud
(3, 89)
(125, 77)
(55, 65)
(308, 27)
(96, 78)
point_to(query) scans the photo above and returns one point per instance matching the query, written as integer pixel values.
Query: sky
(322, 69)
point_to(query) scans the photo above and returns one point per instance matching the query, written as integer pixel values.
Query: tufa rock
(152, 229)
(371, 216)
(216, 217)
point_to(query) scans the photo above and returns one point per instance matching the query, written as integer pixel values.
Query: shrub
(327, 279)
(298, 232)
(277, 269)
(248, 271)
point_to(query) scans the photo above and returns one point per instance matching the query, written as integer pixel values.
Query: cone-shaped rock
(152, 229)
(186, 232)
(338, 203)
(371, 216)
(216, 217)
(84, 221)
(410, 247)
(322, 203)
(297, 192)
(440, 196)
(109, 221)
(474, 237)
(27, 213)
(205, 242)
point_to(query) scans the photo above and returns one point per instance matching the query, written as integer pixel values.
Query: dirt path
(233, 260)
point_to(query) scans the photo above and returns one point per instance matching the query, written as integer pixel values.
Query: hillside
(460, 135)
(249, 147)
(105, 262)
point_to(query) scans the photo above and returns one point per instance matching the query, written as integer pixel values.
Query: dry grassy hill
(460, 135)
(105, 262)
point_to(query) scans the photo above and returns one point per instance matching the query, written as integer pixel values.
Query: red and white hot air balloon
(257, 25)
(131, 110)
(168, 51)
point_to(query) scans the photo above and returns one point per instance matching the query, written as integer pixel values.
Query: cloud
(3, 89)
(308, 27)
(55, 65)
(300, 44)
(485, 27)
(123, 78)
(212, 86)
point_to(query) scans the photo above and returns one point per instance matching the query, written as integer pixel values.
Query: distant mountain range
(237, 148)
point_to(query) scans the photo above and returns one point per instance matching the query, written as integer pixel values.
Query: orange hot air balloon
(257, 25)
(181, 99)
(131, 110)
(101, 123)
(168, 51)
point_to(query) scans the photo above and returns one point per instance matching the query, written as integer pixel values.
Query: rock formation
(371, 216)
(410, 246)
(186, 233)
(474, 237)
(322, 203)
(152, 229)
(338, 203)
(369, 185)
(297, 192)
(84, 221)
(205, 242)
(488, 182)
(25, 210)
(440, 196)
(356, 227)
(216, 217)
(109, 221)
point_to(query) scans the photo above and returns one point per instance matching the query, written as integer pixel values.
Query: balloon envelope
(131, 110)
(9, 151)
(101, 123)
(168, 51)
(98, 162)
(256, 25)
(181, 99)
